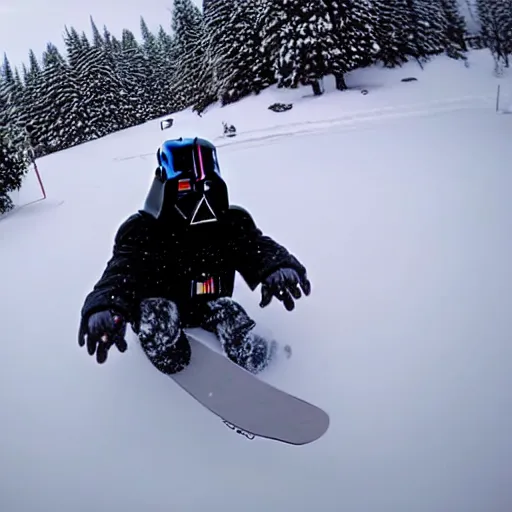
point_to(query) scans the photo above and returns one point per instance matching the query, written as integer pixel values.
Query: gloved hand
(284, 284)
(102, 330)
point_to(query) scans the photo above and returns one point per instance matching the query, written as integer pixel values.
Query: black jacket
(154, 259)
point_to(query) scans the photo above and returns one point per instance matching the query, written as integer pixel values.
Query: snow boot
(234, 328)
(162, 337)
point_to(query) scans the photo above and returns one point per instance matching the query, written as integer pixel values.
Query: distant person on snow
(174, 264)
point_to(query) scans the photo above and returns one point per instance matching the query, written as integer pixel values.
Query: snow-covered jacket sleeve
(256, 255)
(120, 286)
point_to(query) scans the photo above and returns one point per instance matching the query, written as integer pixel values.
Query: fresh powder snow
(398, 203)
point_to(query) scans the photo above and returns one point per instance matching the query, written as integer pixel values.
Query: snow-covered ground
(398, 203)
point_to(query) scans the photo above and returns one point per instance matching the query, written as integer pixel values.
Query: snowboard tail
(245, 403)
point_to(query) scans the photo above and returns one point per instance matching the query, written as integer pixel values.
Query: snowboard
(244, 402)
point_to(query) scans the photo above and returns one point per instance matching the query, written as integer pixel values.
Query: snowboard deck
(245, 403)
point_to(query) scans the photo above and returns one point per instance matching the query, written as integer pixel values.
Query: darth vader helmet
(187, 186)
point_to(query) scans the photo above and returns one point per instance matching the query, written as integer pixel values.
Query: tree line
(222, 53)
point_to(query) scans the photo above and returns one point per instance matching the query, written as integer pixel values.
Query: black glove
(103, 329)
(284, 284)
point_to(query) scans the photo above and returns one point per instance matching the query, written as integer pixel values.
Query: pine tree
(249, 72)
(220, 51)
(154, 69)
(393, 32)
(298, 37)
(18, 85)
(187, 28)
(12, 89)
(112, 45)
(496, 22)
(149, 41)
(7, 75)
(165, 42)
(10, 83)
(165, 102)
(133, 71)
(506, 20)
(30, 115)
(359, 42)
(105, 100)
(354, 25)
(34, 70)
(77, 52)
(429, 34)
(58, 107)
(14, 157)
(455, 29)
(119, 57)
(97, 39)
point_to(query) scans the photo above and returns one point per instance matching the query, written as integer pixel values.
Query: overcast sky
(26, 24)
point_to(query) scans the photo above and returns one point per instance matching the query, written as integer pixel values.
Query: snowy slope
(443, 86)
(404, 224)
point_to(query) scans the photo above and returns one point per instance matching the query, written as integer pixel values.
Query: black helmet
(188, 185)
